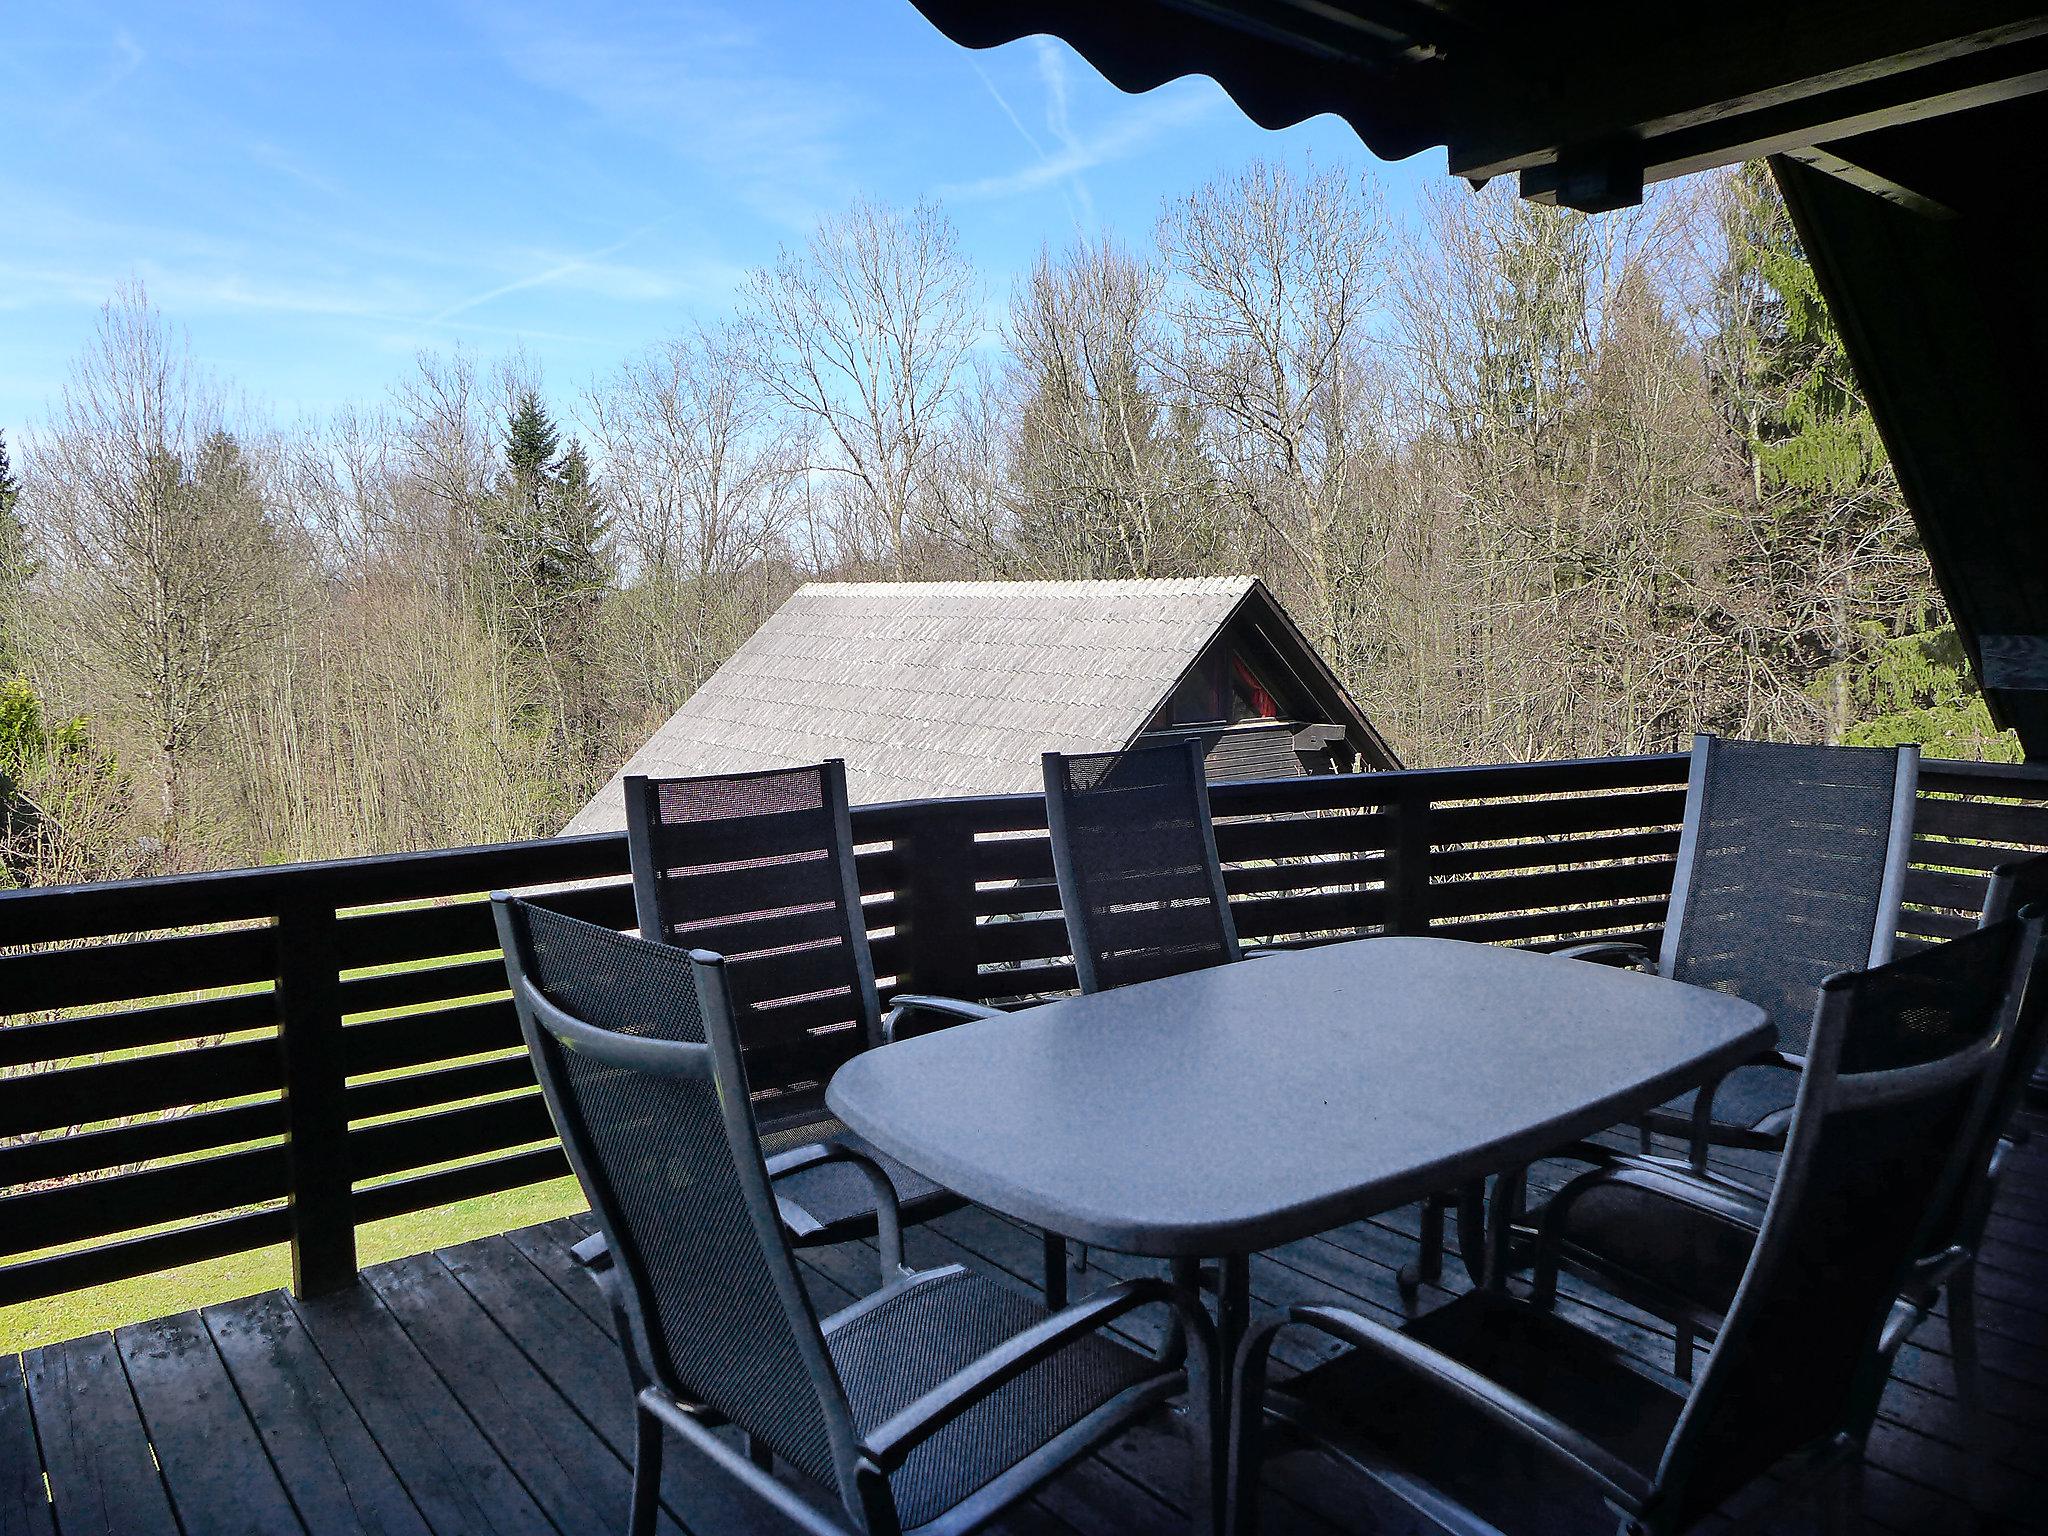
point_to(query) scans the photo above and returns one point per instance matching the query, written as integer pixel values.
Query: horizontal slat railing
(197, 1066)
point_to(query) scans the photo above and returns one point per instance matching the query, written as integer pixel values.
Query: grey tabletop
(1232, 1109)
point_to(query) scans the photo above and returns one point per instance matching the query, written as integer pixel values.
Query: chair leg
(1681, 1353)
(1245, 1428)
(1963, 1357)
(1055, 1271)
(647, 1437)
(1429, 1263)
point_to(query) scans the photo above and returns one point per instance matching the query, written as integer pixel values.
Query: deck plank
(212, 1459)
(565, 1345)
(24, 1501)
(103, 1479)
(329, 1462)
(459, 1483)
(561, 1462)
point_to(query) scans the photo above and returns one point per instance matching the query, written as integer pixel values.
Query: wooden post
(1408, 882)
(936, 921)
(316, 1112)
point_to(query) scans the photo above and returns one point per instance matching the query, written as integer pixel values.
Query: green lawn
(244, 1274)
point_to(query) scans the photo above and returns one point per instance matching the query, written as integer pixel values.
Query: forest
(1537, 484)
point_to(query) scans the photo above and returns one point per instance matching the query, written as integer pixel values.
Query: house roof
(939, 689)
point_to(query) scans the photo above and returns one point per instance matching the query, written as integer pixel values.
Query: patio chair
(1674, 1243)
(929, 1405)
(1790, 866)
(1897, 1063)
(1141, 887)
(1135, 854)
(760, 868)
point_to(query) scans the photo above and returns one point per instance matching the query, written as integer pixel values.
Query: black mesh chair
(760, 868)
(1674, 1243)
(930, 1405)
(1790, 868)
(1898, 1061)
(1135, 852)
(1141, 887)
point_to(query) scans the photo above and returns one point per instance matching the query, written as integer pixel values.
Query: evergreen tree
(1835, 541)
(546, 565)
(15, 565)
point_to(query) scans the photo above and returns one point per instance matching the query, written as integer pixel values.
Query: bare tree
(862, 333)
(165, 554)
(1106, 474)
(1279, 278)
(707, 483)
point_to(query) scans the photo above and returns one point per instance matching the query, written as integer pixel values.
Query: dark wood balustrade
(341, 1049)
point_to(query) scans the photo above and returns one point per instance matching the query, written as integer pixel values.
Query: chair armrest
(954, 1011)
(888, 1213)
(1703, 1101)
(1533, 1426)
(1723, 1200)
(905, 1431)
(1607, 952)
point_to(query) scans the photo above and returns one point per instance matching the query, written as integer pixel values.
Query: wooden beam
(1940, 90)
(1831, 159)
(2014, 663)
(1712, 74)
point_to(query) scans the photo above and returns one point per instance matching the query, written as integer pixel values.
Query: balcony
(207, 1066)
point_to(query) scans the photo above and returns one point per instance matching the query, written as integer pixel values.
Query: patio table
(1216, 1113)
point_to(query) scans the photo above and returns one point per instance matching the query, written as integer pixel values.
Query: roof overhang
(1586, 102)
(1898, 128)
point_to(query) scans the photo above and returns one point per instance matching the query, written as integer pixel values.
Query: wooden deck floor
(477, 1390)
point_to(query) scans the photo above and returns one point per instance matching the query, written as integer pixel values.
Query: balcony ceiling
(1898, 128)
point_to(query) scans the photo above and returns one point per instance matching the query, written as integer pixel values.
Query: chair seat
(1364, 1406)
(1664, 1254)
(837, 1196)
(1756, 1101)
(894, 1346)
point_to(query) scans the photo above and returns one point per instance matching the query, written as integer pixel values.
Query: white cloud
(1149, 119)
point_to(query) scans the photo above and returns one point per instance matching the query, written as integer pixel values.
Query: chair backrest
(759, 868)
(1790, 868)
(2016, 888)
(1135, 853)
(2022, 883)
(1896, 1074)
(636, 1051)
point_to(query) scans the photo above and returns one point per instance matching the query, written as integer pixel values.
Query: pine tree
(1879, 646)
(15, 565)
(546, 568)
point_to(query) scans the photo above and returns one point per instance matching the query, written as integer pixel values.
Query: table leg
(1502, 1211)
(1233, 1319)
(1055, 1272)
(1472, 1229)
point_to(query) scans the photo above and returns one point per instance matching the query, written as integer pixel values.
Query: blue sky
(316, 193)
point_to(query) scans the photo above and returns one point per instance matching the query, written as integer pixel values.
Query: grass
(50, 1319)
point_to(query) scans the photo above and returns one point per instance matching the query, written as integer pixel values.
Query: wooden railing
(202, 1065)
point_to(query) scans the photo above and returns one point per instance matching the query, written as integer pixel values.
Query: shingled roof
(939, 689)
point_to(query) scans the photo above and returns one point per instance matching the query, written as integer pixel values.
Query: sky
(316, 193)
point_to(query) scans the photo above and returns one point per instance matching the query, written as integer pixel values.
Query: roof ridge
(1157, 584)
